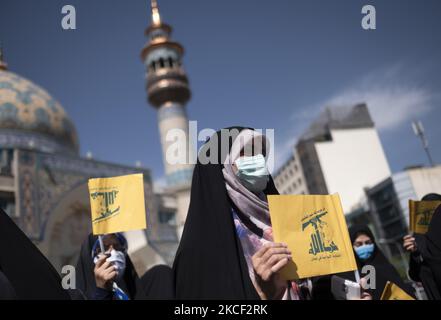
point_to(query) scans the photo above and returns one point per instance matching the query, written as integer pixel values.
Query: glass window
(7, 202)
(167, 217)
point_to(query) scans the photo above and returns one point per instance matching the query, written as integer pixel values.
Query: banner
(117, 204)
(315, 230)
(393, 292)
(420, 214)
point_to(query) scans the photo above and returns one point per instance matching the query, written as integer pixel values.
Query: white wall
(425, 180)
(405, 190)
(354, 159)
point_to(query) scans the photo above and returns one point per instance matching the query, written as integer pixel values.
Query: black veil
(429, 270)
(157, 283)
(7, 292)
(24, 267)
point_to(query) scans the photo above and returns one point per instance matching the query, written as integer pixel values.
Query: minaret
(168, 91)
(3, 64)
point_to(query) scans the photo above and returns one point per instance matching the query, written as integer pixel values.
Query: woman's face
(256, 148)
(111, 242)
(361, 240)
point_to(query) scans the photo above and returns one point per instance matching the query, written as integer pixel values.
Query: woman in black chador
(367, 252)
(227, 250)
(113, 276)
(425, 254)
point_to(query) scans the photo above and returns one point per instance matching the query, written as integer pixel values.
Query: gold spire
(156, 18)
(3, 65)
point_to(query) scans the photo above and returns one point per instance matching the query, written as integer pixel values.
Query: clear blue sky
(266, 64)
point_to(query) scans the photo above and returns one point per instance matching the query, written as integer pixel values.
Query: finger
(267, 247)
(272, 245)
(363, 282)
(100, 275)
(274, 251)
(105, 265)
(97, 274)
(279, 245)
(279, 265)
(110, 270)
(110, 266)
(261, 251)
(276, 258)
(101, 260)
(260, 270)
(258, 255)
(110, 276)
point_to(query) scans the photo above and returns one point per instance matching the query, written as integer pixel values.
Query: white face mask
(118, 259)
(252, 172)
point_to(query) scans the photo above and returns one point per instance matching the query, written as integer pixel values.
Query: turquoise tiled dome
(26, 107)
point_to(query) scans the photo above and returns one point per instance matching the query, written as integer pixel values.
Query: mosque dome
(30, 117)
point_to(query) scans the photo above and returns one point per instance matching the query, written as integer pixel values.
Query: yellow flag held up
(117, 204)
(393, 292)
(315, 230)
(420, 214)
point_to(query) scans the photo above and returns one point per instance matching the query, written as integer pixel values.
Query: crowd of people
(226, 250)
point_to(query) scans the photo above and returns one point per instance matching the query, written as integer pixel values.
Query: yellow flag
(117, 204)
(393, 292)
(420, 214)
(315, 230)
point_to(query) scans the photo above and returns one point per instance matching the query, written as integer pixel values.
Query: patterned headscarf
(253, 224)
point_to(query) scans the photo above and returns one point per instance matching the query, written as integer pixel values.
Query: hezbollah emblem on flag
(420, 215)
(321, 234)
(107, 201)
(117, 204)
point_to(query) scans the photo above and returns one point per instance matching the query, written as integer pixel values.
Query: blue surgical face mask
(365, 251)
(252, 172)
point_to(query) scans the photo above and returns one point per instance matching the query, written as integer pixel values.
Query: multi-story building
(289, 178)
(339, 152)
(386, 205)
